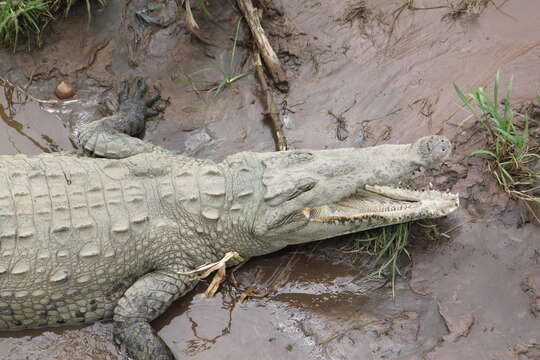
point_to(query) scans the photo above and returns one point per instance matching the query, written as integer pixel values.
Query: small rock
(64, 91)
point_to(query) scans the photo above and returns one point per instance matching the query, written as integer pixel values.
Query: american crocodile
(112, 236)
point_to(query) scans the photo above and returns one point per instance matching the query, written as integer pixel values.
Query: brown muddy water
(26, 128)
(386, 77)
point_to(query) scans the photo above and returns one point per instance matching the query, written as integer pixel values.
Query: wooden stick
(192, 25)
(270, 109)
(269, 55)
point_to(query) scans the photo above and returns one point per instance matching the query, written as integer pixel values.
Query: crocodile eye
(301, 189)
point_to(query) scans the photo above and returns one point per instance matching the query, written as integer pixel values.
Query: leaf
(209, 68)
(509, 137)
(217, 90)
(507, 108)
(234, 45)
(477, 96)
(506, 174)
(463, 98)
(241, 75)
(483, 152)
(204, 8)
(496, 89)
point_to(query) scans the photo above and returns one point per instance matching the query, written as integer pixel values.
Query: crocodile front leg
(144, 301)
(115, 136)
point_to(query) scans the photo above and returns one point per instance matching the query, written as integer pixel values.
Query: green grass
(26, 19)
(513, 152)
(390, 244)
(227, 76)
(387, 244)
(203, 7)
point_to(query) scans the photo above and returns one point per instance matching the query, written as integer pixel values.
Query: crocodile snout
(433, 150)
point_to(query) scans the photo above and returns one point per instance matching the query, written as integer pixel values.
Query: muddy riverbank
(389, 80)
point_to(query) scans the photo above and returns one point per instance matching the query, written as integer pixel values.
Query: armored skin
(110, 236)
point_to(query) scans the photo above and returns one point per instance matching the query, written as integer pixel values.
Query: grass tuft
(26, 19)
(357, 11)
(513, 152)
(469, 8)
(388, 244)
(228, 76)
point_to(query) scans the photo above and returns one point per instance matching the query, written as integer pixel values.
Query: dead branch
(268, 54)
(219, 267)
(270, 109)
(276, 282)
(192, 25)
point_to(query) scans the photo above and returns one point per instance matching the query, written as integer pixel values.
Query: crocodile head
(314, 195)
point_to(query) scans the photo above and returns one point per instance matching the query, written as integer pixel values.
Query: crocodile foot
(118, 136)
(134, 107)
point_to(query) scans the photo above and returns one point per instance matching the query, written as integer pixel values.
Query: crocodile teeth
(383, 201)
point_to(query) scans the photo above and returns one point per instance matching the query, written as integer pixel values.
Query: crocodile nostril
(433, 149)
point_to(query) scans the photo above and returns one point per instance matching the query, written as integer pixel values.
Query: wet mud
(384, 77)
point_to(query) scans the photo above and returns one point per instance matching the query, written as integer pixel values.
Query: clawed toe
(139, 89)
(134, 92)
(111, 105)
(151, 112)
(123, 95)
(150, 101)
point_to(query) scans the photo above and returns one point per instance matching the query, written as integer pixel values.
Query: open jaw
(377, 205)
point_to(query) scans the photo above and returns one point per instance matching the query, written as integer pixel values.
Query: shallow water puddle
(323, 315)
(310, 316)
(25, 127)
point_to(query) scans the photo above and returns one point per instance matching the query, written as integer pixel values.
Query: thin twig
(219, 267)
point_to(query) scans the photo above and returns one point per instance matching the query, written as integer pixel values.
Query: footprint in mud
(383, 328)
(531, 287)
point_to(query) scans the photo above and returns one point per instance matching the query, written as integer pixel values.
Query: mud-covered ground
(388, 78)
